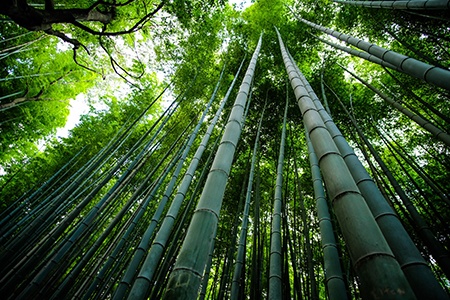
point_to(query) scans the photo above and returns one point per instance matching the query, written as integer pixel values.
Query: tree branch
(134, 28)
(115, 64)
(83, 66)
(49, 5)
(76, 44)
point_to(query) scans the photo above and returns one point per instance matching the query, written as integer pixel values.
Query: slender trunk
(11, 215)
(228, 261)
(306, 234)
(411, 66)
(44, 245)
(63, 288)
(140, 288)
(425, 124)
(206, 276)
(425, 200)
(333, 272)
(285, 246)
(398, 239)
(135, 220)
(23, 45)
(276, 256)
(420, 100)
(361, 54)
(419, 170)
(324, 95)
(28, 76)
(411, 48)
(186, 276)
(360, 230)
(403, 4)
(255, 291)
(239, 264)
(435, 247)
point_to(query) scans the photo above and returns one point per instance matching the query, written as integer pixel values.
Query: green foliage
(192, 41)
(94, 131)
(37, 81)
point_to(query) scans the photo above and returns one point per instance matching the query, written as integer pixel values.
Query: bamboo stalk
(379, 272)
(185, 279)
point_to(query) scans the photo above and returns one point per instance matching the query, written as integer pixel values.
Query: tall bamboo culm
(156, 251)
(276, 256)
(333, 272)
(401, 4)
(186, 277)
(436, 249)
(240, 256)
(431, 74)
(379, 273)
(408, 256)
(425, 124)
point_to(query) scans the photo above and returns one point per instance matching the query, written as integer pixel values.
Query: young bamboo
(435, 247)
(141, 285)
(333, 272)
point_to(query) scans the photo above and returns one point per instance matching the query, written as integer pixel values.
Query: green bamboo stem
(255, 280)
(427, 203)
(232, 236)
(445, 118)
(415, 109)
(379, 272)
(134, 221)
(68, 282)
(306, 234)
(425, 124)
(275, 258)
(401, 4)
(10, 215)
(361, 54)
(412, 48)
(333, 273)
(141, 285)
(52, 204)
(419, 170)
(324, 95)
(186, 276)
(435, 247)
(207, 272)
(295, 254)
(411, 261)
(70, 241)
(435, 75)
(239, 262)
(157, 248)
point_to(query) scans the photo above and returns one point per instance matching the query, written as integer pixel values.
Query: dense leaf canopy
(81, 213)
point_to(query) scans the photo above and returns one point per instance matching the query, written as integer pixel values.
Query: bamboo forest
(264, 149)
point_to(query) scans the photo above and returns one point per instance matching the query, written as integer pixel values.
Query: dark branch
(100, 2)
(76, 44)
(134, 28)
(37, 19)
(83, 66)
(49, 5)
(115, 64)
